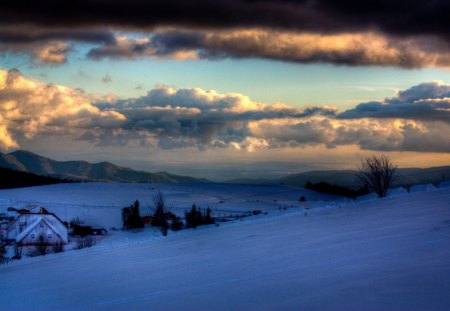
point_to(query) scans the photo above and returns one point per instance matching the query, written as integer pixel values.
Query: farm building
(31, 228)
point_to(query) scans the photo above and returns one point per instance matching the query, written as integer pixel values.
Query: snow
(381, 254)
(445, 184)
(422, 187)
(95, 202)
(27, 230)
(397, 191)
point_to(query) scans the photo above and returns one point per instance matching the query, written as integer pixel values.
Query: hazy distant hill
(26, 161)
(346, 178)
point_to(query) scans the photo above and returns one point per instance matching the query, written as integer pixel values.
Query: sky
(227, 88)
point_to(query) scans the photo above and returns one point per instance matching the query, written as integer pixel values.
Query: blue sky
(262, 80)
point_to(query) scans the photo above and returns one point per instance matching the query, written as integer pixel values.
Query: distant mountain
(26, 161)
(346, 178)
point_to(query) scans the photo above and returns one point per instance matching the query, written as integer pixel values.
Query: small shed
(30, 229)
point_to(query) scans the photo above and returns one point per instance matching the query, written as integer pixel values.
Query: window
(22, 225)
(49, 236)
(41, 224)
(32, 235)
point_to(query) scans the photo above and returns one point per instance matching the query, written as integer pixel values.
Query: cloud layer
(404, 34)
(355, 49)
(416, 119)
(403, 17)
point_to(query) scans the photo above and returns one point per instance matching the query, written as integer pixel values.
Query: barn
(30, 229)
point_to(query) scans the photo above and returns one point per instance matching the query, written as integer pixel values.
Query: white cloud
(168, 118)
(28, 106)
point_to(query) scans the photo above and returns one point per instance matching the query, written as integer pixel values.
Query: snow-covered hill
(383, 254)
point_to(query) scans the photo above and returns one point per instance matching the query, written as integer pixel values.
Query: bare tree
(378, 173)
(159, 216)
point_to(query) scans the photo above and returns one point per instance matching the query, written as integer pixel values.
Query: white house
(30, 229)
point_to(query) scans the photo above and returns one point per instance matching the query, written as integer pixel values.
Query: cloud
(424, 102)
(29, 107)
(353, 49)
(106, 79)
(45, 53)
(405, 34)
(195, 117)
(48, 46)
(326, 16)
(53, 53)
(171, 118)
(168, 118)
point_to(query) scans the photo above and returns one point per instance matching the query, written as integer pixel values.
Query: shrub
(87, 241)
(177, 224)
(377, 173)
(324, 187)
(3, 258)
(40, 249)
(58, 247)
(17, 252)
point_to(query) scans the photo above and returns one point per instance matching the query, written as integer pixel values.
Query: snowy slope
(389, 254)
(100, 203)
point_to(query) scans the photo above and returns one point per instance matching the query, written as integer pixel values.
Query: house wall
(25, 220)
(42, 229)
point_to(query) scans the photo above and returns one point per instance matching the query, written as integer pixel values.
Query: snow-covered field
(100, 203)
(383, 254)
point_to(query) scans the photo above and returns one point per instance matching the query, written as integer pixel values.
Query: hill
(346, 178)
(14, 179)
(26, 161)
(385, 254)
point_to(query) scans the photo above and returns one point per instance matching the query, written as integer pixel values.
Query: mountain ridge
(26, 161)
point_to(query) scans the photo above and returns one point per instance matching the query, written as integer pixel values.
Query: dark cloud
(27, 35)
(346, 49)
(426, 101)
(416, 33)
(48, 46)
(393, 17)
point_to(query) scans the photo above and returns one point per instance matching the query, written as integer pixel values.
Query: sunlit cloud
(355, 49)
(168, 118)
(52, 53)
(48, 46)
(426, 101)
(28, 107)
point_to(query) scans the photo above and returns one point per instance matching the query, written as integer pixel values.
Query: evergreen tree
(208, 218)
(131, 217)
